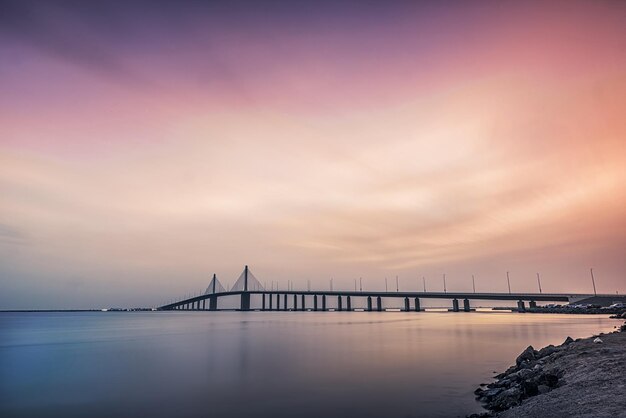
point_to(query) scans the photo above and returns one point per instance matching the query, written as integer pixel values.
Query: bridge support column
(263, 302)
(520, 306)
(315, 303)
(303, 303)
(285, 303)
(455, 305)
(339, 303)
(204, 304)
(295, 302)
(379, 304)
(323, 302)
(245, 301)
(369, 304)
(466, 305)
(533, 304)
(406, 305)
(278, 301)
(348, 304)
(417, 305)
(213, 303)
(271, 300)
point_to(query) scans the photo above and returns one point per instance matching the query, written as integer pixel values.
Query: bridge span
(279, 300)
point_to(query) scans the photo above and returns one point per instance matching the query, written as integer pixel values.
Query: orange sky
(138, 157)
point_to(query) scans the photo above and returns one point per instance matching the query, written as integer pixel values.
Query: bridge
(296, 300)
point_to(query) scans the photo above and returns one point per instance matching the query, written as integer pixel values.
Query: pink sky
(143, 150)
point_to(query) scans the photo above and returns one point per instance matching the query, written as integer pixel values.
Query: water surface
(263, 364)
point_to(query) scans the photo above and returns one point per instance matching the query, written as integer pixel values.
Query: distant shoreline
(486, 309)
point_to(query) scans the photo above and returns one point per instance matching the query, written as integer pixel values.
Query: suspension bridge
(341, 300)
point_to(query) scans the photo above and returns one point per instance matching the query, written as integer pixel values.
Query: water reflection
(278, 364)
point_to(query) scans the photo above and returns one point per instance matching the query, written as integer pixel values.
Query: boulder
(597, 340)
(529, 388)
(546, 351)
(568, 341)
(491, 393)
(550, 379)
(506, 399)
(527, 356)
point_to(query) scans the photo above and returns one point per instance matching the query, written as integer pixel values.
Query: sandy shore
(579, 378)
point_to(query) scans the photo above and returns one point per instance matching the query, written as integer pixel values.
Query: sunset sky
(146, 145)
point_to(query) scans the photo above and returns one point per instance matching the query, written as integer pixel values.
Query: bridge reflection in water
(278, 300)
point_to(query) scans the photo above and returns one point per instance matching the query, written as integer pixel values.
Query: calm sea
(270, 364)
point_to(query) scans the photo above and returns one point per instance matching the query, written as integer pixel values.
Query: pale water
(263, 364)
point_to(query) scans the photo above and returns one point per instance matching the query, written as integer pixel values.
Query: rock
(521, 375)
(506, 399)
(527, 356)
(529, 388)
(568, 341)
(549, 379)
(491, 393)
(546, 351)
(597, 341)
(543, 389)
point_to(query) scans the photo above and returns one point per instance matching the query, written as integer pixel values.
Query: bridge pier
(466, 305)
(455, 305)
(369, 304)
(339, 303)
(417, 305)
(303, 303)
(520, 306)
(285, 304)
(278, 301)
(348, 304)
(245, 301)
(323, 302)
(533, 304)
(379, 304)
(295, 302)
(315, 303)
(407, 308)
(213, 303)
(204, 304)
(263, 302)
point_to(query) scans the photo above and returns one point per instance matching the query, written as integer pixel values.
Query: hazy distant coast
(582, 378)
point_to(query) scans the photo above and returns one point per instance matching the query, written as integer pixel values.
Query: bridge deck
(537, 297)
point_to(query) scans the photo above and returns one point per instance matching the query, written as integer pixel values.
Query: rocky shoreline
(584, 377)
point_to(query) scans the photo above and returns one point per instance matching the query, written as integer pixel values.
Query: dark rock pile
(527, 378)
